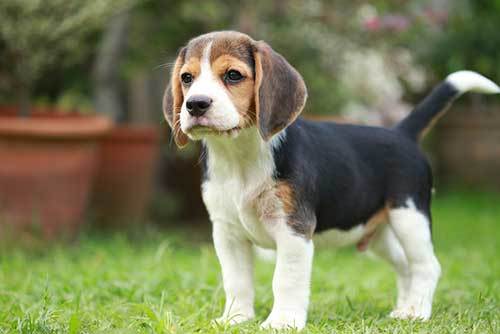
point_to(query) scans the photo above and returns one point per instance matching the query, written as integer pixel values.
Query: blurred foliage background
(356, 56)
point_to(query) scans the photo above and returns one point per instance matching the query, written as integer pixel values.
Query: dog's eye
(187, 78)
(233, 76)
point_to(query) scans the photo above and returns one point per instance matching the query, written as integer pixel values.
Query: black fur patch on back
(344, 174)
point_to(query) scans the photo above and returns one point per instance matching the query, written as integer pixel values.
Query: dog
(273, 180)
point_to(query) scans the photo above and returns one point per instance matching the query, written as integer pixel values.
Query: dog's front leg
(291, 282)
(236, 259)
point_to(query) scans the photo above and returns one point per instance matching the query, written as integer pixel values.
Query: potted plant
(48, 156)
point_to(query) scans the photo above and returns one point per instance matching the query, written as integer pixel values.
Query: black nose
(197, 105)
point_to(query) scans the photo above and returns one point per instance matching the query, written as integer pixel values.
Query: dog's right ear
(173, 99)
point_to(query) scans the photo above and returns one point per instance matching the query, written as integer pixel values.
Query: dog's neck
(246, 157)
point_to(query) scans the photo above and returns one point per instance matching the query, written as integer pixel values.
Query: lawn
(165, 282)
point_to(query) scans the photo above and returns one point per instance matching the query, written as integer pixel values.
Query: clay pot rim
(134, 133)
(69, 125)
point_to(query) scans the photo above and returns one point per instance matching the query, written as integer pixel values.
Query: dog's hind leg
(412, 228)
(386, 245)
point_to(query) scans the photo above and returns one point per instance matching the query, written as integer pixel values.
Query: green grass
(166, 283)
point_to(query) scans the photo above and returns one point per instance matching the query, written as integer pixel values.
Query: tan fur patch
(267, 203)
(226, 62)
(275, 201)
(379, 218)
(177, 98)
(285, 194)
(258, 82)
(191, 66)
(241, 93)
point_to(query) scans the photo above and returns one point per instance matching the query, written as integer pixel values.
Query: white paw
(287, 319)
(411, 313)
(233, 319)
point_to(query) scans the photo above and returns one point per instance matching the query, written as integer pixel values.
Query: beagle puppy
(273, 180)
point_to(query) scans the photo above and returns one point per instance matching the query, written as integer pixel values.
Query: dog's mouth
(202, 130)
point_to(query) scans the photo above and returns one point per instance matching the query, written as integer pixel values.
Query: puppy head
(223, 82)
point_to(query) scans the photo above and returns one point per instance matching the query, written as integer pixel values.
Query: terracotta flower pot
(124, 179)
(46, 169)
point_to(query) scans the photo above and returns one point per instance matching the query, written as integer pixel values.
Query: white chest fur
(240, 171)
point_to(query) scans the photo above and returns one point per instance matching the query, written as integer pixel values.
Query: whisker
(164, 65)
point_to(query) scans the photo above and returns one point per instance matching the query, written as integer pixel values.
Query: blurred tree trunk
(246, 20)
(280, 7)
(107, 70)
(143, 100)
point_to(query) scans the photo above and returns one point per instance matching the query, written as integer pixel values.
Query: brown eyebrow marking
(226, 62)
(192, 66)
(234, 44)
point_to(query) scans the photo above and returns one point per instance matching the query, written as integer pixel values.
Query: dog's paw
(287, 319)
(233, 319)
(411, 313)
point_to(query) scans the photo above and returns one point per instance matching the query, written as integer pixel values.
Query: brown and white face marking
(223, 82)
(217, 68)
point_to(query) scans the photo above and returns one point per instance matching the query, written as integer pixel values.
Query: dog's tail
(427, 112)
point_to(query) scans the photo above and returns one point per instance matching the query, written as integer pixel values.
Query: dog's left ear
(280, 91)
(172, 102)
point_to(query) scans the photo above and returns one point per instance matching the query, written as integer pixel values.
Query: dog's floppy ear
(280, 91)
(172, 101)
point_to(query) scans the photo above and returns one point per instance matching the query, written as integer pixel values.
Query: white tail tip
(469, 81)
